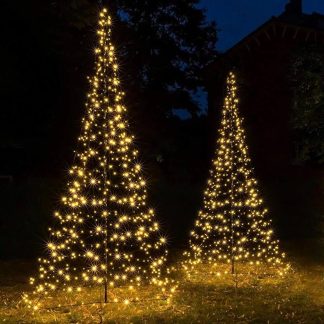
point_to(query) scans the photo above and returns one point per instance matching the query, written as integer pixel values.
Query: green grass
(297, 298)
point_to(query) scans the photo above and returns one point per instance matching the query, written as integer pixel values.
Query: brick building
(262, 61)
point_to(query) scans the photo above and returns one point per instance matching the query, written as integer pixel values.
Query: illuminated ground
(299, 299)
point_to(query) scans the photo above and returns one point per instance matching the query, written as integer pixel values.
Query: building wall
(294, 193)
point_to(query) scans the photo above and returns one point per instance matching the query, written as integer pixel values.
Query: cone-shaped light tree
(232, 226)
(105, 234)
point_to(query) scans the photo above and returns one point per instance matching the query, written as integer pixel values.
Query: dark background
(46, 54)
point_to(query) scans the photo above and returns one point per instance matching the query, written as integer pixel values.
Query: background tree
(161, 44)
(307, 118)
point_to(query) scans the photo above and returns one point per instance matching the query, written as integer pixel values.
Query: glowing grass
(86, 306)
(299, 298)
(245, 274)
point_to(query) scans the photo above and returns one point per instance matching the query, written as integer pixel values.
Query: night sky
(237, 18)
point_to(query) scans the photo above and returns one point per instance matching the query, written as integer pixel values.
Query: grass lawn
(299, 298)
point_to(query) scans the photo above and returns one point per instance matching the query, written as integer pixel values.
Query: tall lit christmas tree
(105, 234)
(233, 226)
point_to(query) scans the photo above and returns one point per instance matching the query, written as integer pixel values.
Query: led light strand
(105, 233)
(233, 226)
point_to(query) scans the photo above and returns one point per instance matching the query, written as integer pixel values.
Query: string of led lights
(105, 234)
(233, 226)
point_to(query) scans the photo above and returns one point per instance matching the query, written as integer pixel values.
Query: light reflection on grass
(204, 298)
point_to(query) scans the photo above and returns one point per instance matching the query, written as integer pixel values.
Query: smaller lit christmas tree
(233, 226)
